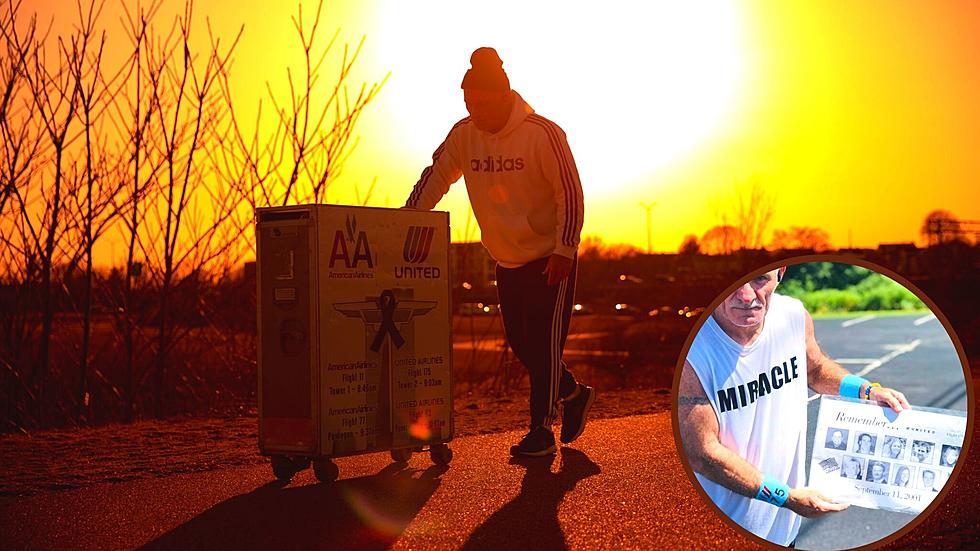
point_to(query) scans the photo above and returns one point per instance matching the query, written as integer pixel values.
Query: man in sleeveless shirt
(742, 408)
(527, 198)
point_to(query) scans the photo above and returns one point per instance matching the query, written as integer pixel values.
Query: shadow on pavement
(360, 513)
(530, 520)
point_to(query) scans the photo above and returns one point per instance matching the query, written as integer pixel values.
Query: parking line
(924, 319)
(875, 364)
(898, 351)
(856, 321)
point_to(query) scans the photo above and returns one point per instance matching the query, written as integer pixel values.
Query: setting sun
(633, 86)
(442, 274)
(666, 106)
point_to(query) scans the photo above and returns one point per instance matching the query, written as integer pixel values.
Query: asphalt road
(620, 486)
(918, 359)
(911, 353)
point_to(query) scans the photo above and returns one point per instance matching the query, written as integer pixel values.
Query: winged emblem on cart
(386, 311)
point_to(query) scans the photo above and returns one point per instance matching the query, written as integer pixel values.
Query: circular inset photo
(822, 404)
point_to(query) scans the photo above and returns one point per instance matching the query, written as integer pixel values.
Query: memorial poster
(869, 456)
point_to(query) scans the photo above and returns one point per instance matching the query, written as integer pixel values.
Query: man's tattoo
(692, 400)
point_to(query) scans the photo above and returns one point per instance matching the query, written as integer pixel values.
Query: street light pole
(649, 207)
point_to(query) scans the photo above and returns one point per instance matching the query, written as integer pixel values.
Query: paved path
(621, 487)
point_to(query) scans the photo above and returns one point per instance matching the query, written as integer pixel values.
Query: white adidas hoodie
(522, 183)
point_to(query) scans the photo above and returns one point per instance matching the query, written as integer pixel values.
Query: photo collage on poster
(891, 459)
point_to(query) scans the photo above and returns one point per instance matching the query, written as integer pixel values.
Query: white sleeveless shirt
(759, 393)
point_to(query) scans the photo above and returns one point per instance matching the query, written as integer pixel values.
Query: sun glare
(635, 86)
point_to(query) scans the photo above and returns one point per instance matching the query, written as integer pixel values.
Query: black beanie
(487, 71)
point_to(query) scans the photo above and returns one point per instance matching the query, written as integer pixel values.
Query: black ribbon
(386, 304)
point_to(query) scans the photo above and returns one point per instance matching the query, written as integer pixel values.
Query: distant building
(904, 258)
(471, 263)
(473, 274)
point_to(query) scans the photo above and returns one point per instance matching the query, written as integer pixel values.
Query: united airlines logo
(418, 241)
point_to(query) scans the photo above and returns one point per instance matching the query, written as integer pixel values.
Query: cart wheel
(284, 466)
(440, 454)
(326, 470)
(401, 455)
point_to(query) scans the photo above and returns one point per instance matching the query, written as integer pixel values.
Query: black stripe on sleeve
(416, 194)
(554, 133)
(562, 168)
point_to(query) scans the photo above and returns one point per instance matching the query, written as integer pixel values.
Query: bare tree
(311, 138)
(939, 227)
(133, 115)
(187, 108)
(101, 185)
(594, 248)
(801, 237)
(750, 212)
(690, 245)
(21, 143)
(55, 175)
(142, 149)
(722, 240)
(55, 96)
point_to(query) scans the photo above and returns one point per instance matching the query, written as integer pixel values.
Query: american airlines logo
(418, 241)
(359, 249)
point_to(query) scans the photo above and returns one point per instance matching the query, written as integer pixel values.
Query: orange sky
(860, 116)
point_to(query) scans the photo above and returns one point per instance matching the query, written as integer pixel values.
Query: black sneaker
(539, 441)
(574, 413)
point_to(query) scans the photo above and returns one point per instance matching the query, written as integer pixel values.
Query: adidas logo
(499, 164)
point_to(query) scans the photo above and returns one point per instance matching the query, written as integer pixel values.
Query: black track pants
(536, 318)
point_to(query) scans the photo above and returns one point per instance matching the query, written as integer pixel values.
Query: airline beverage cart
(354, 335)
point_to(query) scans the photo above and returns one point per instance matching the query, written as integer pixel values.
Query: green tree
(839, 287)
(811, 276)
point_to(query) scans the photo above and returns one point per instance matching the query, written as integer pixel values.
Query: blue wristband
(850, 385)
(772, 491)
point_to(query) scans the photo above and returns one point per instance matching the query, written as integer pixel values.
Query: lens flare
(420, 428)
(374, 514)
